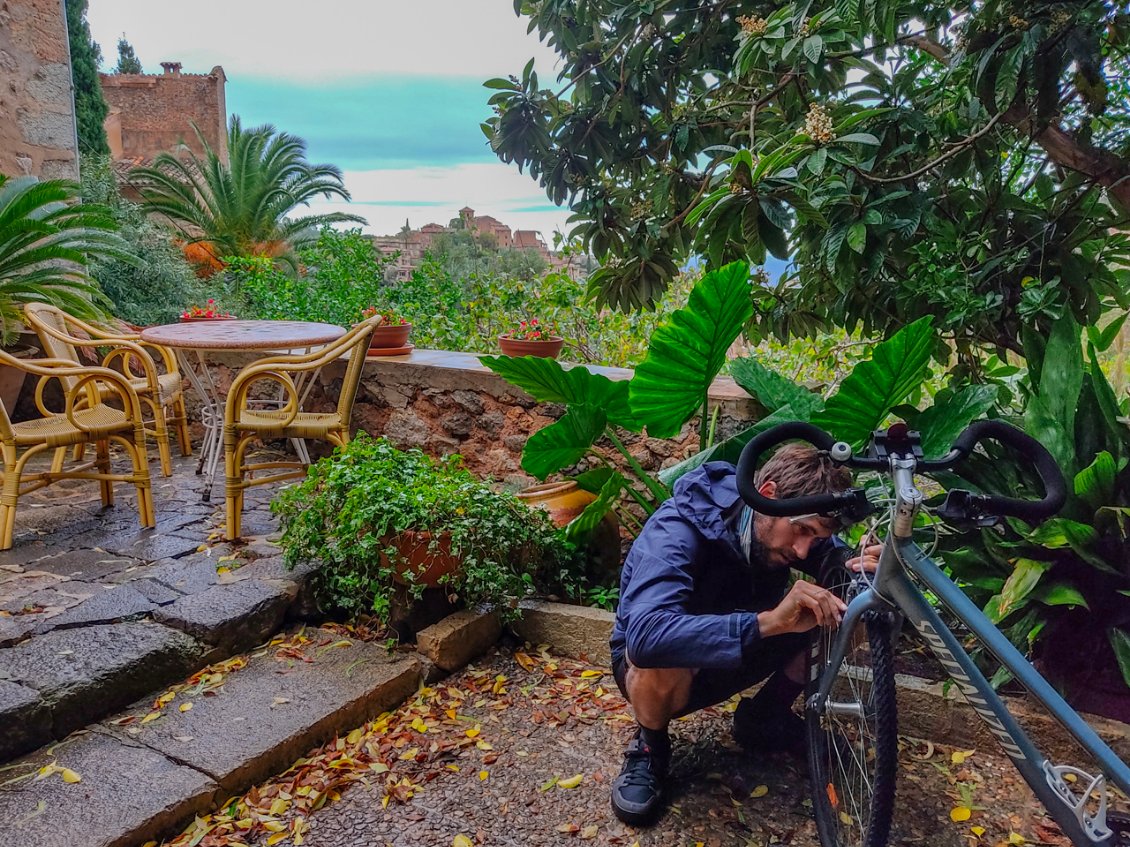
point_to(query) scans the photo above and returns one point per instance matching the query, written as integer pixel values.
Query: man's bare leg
(658, 694)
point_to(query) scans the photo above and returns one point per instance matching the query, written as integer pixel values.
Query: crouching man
(706, 611)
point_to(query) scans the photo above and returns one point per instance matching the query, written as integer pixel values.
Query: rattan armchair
(161, 392)
(244, 424)
(86, 419)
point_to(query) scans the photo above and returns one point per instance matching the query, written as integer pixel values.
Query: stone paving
(95, 612)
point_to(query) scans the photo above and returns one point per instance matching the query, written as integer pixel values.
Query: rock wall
(37, 111)
(448, 403)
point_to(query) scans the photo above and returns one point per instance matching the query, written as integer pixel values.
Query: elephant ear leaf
(563, 442)
(688, 352)
(772, 390)
(583, 525)
(951, 412)
(728, 450)
(547, 381)
(866, 396)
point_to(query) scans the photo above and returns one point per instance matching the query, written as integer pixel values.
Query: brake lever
(963, 509)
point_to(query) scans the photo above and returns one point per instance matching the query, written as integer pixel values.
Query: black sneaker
(759, 729)
(637, 793)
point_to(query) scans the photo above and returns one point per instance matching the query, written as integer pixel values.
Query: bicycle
(850, 709)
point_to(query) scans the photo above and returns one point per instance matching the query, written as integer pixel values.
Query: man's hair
(801, 470)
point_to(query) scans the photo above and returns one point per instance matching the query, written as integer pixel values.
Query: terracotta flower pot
(547, 348)
(392, 335)
(428, 566)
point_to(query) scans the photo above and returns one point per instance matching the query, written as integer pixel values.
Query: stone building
(155, 113)
(37, 109)
(409, 245)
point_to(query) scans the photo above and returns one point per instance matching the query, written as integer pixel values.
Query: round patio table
(191, 341)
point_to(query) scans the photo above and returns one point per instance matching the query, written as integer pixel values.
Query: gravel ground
(487, 757)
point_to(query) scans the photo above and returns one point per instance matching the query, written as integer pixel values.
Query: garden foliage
(911, 158)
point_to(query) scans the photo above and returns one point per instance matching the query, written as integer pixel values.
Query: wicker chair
(85, 419)
(162, 394)
(243, 423)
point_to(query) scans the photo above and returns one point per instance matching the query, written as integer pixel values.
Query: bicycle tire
(853, 796)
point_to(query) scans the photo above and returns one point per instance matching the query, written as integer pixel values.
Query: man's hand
(869, 561)
(804, 607)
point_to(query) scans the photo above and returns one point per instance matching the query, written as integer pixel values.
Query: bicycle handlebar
(853, 504)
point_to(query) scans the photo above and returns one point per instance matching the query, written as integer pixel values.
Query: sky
(390, 92)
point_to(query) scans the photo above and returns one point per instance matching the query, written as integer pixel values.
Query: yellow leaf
(152, 716)
(378, 767)
(483, 745)
(462, 840)
(277, 838)
(279, 807)
(450, 714)
(186, 707)
(164, 699)
(847, 819)
(419, 725)
(384, 802)
(1016, 838)
(345, 642)
(760, 791)
(960, 813)
(591, 674)
(571, 782)
(273, 826)
(525, 661)
(483, 776)
(958, 757)
(222, 570)
(977, 830)
(70, 776)
(410, 753)
(589, 832)
(47, 770)
(353, 737)
(471, 733)
(244, 823)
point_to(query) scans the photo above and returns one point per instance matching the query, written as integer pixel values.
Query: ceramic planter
(392, 335)
(564, 501)
(547, 348)
(427, 566)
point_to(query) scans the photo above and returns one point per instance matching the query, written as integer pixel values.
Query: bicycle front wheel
(853, 738)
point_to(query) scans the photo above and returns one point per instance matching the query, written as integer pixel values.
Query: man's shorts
(712, 686)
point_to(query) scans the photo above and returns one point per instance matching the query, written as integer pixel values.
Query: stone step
(139, 780)
(129, 640)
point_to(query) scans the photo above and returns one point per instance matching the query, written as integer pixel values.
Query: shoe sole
(639, 818)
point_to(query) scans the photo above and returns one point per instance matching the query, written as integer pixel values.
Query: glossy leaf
(563, 443)
(952, 412)
(1095, 483)
(867, 395)
(583, 524)
(1120, 641)
(548, 381)
(686, 354)
(772, 390)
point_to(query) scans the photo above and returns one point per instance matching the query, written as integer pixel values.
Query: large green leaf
(728, 450)
(867, 395)
(548, 381)
(1061, 594)
(952, 412)
(686, 353)
(563, 442)
(1024, 577)
(1058, 533)
(1095, 483)
(1052, 412)
(1120, 641)
(772, 390)
(1041, 421)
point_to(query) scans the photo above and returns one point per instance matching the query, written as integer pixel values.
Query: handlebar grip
(747, 466)
(1055, 487)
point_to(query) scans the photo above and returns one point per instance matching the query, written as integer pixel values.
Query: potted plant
(374, 515)
(208, 312)
(531, 338)
(391, 333)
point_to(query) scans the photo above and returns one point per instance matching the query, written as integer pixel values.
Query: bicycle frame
(892, 590)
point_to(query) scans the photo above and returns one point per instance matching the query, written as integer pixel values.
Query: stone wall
(154, 113)
(449, 403)
(37, 112)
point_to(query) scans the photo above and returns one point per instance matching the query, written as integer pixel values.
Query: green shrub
(157, 287)
(352, 505)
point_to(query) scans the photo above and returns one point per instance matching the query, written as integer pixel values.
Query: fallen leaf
(471, 733)
(548, 784)
(760, 791)
(571, 782)
(590, 674)
(1016, 838)
(353, 737)
(278, 701)
(960, 813)
(589, 832)
(977, 830)
(277, 838)
(483, 776)
(419, 725)
(186, 707)
(152, 716)
(958, 757)
(462, 840)
(568, 827)
(70, 776)
(847, 819)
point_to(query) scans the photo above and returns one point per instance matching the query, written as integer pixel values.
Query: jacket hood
(708, 498)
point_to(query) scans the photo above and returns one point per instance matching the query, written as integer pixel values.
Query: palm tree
(46, 240)
(242, 208)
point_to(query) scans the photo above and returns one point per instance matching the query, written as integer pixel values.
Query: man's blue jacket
(689, 597)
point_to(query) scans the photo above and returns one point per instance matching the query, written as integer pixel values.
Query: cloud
(435, 195)
(330, 39)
